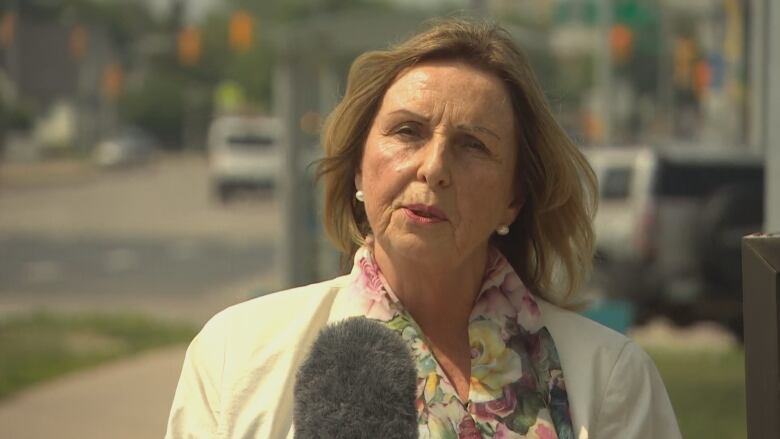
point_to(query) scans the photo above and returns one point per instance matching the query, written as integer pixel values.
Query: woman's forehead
(429, 86)
(439, 74)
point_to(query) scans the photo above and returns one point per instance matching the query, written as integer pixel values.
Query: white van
(244, 153)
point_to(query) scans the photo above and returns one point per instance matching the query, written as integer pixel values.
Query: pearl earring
(502, 230)
(360, 197)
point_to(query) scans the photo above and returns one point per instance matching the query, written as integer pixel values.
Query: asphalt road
(150, 238)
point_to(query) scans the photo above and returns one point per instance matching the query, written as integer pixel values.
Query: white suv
(244, 153)
(669, 226)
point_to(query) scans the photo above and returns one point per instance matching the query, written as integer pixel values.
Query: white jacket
(239, 371)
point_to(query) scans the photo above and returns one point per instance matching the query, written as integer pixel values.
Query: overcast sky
(197, 9)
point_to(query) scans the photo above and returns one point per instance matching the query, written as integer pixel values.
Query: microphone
(358, 381)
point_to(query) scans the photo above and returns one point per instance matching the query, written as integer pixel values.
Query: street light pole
(604, 68)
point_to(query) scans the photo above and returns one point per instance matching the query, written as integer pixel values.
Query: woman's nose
(434, 168)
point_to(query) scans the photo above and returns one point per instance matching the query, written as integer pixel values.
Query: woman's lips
(423, 214)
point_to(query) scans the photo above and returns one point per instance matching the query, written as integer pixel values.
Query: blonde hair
(550, 244)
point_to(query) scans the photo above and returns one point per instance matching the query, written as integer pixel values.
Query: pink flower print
(496, 264)
(530, 304)
(528, 313)
(419, 403)
(494, 305)
(530, 319)
(467, 429)
(370, 275)
(370, 292)
(378, 309)
(359, 303)
(503, 432)
(503, 406)
(511, 284)
(528, 381)
(543, 431)
(515, 290)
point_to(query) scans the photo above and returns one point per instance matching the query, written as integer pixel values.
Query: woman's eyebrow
(405, 112)
(479, 128)
(468, 128)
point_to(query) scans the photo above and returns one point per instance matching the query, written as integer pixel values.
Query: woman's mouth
(423, 214)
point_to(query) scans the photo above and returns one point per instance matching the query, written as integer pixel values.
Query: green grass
(41, 346)
(707, 390)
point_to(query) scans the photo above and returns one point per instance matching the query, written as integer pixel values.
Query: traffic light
(702, 77)
(684, 58)
(241, 27)
(621, 41)
(189, 46)
(78, 41)
(113, 77)
(7, 29)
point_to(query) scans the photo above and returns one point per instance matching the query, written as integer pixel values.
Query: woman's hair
(550, 243)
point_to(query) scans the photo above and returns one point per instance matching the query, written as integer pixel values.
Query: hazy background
(110, 201)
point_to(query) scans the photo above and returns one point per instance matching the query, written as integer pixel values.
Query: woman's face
(439, 162)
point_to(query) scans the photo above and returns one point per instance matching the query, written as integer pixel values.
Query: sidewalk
(126, 399)
(26, 175)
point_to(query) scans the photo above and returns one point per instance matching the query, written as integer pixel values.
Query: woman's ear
(358, 180)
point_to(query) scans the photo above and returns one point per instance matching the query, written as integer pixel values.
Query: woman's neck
(438, 293)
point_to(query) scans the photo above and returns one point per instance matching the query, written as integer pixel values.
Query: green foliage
(123, 20)
(156, 105)
(41, 346)
(253, 71)
(14, 117)
(707, 390)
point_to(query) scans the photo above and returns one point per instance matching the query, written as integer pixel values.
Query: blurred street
(146, 239)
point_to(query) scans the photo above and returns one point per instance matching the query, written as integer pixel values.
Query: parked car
(244, 153)
(131, 146)
(669, 227)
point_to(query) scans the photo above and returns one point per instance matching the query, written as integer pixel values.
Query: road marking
(44, 271)
(120, 259)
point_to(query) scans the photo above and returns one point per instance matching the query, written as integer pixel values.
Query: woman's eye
(475, 144)
(407, 130)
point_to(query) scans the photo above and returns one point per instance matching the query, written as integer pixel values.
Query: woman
(467, 211)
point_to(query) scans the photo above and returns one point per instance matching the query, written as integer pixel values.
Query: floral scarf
(517, 388)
